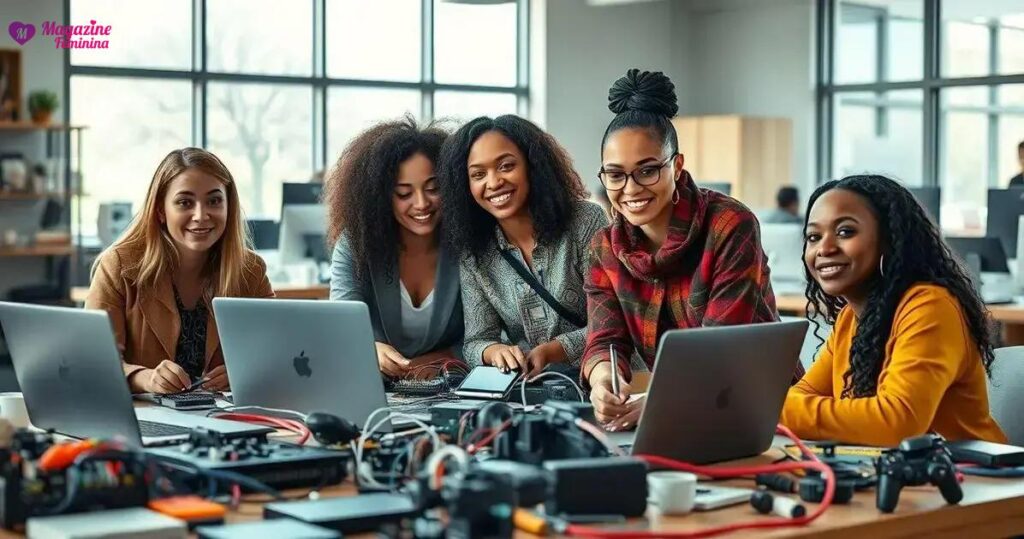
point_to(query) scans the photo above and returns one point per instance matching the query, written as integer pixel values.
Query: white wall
(588, 47)
(756, 57)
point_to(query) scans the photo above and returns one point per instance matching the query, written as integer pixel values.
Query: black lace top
(191, 354)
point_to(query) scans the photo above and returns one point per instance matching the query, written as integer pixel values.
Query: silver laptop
(716, 393)
(301, 355)
(70, 373)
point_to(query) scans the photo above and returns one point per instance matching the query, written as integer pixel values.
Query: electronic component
(135, 522)
(765, 503)
(366, 512)
(424, 387)
(986, 453)
(277, 527)
(192, 400)
(330, 429)
(447, 415)
(77, 478)
(192, 509)
(917, 461)
(530, 483)
(485, 382)
(710, 497)
(606, 486)
(275, 464)
(480, 504)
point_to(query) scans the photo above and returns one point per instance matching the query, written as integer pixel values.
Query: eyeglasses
(615, 180)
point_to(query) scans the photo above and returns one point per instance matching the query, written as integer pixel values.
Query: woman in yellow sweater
(910, 346)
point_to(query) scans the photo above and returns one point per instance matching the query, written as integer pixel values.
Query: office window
(885, 109)
(276, 98)
(879, 134)
(352, 110)
(130, 132)
(358, 49)
(143, 34)
(259, 36)
(261, 132)
(463, 106)
(475, 44)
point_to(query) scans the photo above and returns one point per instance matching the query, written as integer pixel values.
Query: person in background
(787, 207)
(910, 345)
(675, 256)
(384, 219)
(1018, 180)
(187, 246)
(518, 213)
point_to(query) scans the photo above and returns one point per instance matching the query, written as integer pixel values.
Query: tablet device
(487, 383)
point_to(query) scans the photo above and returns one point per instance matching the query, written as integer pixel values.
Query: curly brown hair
(357, 190)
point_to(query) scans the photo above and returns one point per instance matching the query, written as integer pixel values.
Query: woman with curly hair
(384, 216)
(676, 256)
(910, 344)
(516, 209)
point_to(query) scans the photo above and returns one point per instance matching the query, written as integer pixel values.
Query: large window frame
(931, 84)
(200, 76)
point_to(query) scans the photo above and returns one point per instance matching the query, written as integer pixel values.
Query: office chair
(1006, 392)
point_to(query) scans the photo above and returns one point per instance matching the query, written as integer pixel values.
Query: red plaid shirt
(711, 270)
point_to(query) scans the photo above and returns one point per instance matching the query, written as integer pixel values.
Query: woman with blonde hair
(187, 246)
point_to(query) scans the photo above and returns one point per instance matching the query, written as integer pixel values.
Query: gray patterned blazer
(501, 308)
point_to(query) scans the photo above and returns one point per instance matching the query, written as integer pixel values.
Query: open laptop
(70, 373)
(783, 244)
(716, 393)
(301, 355)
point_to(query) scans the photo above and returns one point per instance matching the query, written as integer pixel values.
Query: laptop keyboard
(154, 429)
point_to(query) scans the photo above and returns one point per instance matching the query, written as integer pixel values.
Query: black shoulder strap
(540, 290)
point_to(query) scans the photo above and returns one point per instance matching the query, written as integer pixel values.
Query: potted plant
(41, 105)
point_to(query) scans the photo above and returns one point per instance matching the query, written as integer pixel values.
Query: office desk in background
(283, 291)
(1010, 316)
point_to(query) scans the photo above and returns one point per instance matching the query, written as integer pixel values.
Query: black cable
(993, 472)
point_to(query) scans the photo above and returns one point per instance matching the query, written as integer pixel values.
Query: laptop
(716, 393)
(69, 370)
(783, 244)
(301, 355)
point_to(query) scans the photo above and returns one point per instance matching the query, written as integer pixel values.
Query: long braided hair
(914, 252)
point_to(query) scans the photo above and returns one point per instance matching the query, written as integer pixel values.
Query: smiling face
(636, 151)
(195, 210)
(416, 198)
(842, 247)
(498, 177)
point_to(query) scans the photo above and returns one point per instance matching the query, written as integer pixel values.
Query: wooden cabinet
(754, 155)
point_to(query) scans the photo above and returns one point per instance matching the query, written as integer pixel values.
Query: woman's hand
(217, 379)
(391, 361)
(607, 405)
(167, 377)
(505, 357)
(542, 355)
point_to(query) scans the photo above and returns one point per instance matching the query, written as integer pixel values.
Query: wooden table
(1010, 316)
(283, 291)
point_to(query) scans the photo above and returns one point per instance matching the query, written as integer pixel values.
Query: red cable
(292, 425)
(723, 472)
(476, 446)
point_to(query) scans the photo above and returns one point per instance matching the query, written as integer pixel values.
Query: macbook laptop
(70, 373)
(301, 355)
(716, 393)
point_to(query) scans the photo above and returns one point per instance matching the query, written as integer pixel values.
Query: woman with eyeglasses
(675, 255)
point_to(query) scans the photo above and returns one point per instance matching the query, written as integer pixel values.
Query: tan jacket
(146, 322)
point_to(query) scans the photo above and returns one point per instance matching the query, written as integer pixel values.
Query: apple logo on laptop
(64, 369)
(301, 364)
(722, 400)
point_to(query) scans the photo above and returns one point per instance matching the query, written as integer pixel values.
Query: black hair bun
(648, 91)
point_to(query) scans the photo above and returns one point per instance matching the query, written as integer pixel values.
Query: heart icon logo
(21, 31)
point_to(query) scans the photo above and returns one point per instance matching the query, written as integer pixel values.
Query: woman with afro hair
(516, 210)
(675, 256)
(910, 345)
(384, 218)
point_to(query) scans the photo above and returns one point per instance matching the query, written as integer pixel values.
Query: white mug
(672, 492)
(12, 408)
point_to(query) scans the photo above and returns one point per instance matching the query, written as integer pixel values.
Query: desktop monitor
(1005, 206)
(264, 234)
(984, 254)
(300, 193)
(302, 233)
(930, 198)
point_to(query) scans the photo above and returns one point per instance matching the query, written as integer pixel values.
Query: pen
(196, 385)
(615, 369)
